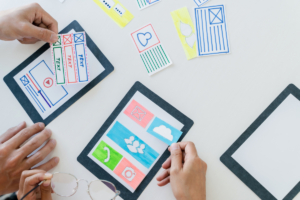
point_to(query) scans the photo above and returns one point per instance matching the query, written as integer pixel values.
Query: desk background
(222, 94)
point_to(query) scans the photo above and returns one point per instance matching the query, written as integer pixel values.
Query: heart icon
(143, 38)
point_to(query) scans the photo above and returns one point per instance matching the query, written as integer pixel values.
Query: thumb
(46, 190)
(43, 34)
(176, 157)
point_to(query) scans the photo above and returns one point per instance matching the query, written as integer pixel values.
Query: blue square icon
(215, 15)
(78, 37)
(24, 80)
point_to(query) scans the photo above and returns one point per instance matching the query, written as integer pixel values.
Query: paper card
(211, 30)
(116, 11)
(146, 3)
(200, 2)
(132, 144)
(129, 173)
(69, 58)
(107, 155)
(164, 131)
(150, 49)
(138, 113)
(186, 31)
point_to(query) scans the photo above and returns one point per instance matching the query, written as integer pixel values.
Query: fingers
(25, 134)
(35, 142)
(163, 175)
(11, 132)
(41, 154)
(46, 190)
(164, 182)
(32, 181)
(28, 40)
(49, 165)
(167, 163)
(30, 30)
(176, 158)
(26, 174)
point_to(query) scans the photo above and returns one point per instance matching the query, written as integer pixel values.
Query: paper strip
(146, 3)
(186, 31)
(115, 10)
(151, 50)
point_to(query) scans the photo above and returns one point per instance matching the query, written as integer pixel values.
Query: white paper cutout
(108, 154)
(134, 147)
(187, 31)
(130, 140)
(140, 150)
(191, 40)
(108, 3)
(119, 9)
(129, 173)
(164, 131)
(138, 113)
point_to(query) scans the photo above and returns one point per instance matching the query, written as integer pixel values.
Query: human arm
(185, 171)
(13, 158)
(28, 24)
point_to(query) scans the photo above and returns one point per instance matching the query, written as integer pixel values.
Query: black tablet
(32, 82)
(130, 147)
(266, 156)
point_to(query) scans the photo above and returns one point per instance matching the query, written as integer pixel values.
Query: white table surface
(222, 94)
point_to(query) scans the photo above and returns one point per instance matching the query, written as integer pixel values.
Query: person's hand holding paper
(28, 24)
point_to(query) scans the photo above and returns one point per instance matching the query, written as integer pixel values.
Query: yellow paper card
(116, 11)
(186, 31)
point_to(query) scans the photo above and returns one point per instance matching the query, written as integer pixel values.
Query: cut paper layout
(116, 11)
(129, 142)
(69, 58)
(150, 49)
(211, 30)
(129, 173)
(200, 2)
(186, 31)
(107, 155)
(138, 113)
(146, 3)
(164, 131)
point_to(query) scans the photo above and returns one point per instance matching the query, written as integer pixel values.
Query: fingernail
(20, 124)
(53, 38)
(53, 141)
(48, 131)
(56, 160)
(47, 175)
(174, 146)
(46, 183)
(42, 125)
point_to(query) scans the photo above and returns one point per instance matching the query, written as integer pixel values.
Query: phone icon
(108, 154)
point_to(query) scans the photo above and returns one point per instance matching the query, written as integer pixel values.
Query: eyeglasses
(66, 185)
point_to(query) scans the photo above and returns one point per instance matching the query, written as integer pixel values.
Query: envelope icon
(215, 15)
(67, 39)
(78, 37)
(24, 80)
(138, 113)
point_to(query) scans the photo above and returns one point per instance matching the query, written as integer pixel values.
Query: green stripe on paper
(156, 51)
(154, 58)
(139, 3)
(149, 60)
(164, 54)
(144, 63)
(161, 55)
(157, 57)
(145, 2)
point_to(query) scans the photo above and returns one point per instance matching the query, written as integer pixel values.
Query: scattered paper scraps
(211, 30)
(138, 113)
(69, 58)
(146, 3)
(200, 2)
(129, 173)
(164, 131)
(107, 155)
(129, 142)
(115, 10)
(186, 31)
(150, 49)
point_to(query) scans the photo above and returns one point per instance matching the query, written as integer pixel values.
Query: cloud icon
(164, 131)
(143, 38)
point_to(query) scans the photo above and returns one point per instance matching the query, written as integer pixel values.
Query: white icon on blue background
(143, 38)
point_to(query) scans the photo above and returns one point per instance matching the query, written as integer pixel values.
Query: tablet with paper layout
(135, 141)
(40, 88)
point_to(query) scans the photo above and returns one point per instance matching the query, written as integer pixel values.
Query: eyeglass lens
(102, 190)
(64, 184)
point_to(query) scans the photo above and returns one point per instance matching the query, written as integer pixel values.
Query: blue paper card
(211, 30)
(200, 2)
(136, 147)
(164, 131)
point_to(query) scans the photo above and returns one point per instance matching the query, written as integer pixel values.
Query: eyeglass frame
(117, 192)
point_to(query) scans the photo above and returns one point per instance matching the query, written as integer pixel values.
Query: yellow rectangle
(116, 11)
(186, 31)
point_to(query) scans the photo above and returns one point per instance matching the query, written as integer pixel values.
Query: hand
(186, 172)
(32, 178)
(28, 24)
(13, 158)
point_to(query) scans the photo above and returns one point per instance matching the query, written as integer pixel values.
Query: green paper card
(107, 155)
